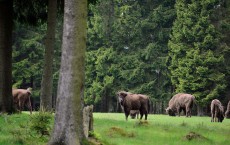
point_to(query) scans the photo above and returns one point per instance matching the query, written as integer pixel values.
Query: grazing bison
(134, 113)
(21, 98)
(227, 113)
(217, 111)
(181, 102)
(129, 101)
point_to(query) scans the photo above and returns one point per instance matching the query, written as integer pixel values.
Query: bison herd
(133, 104)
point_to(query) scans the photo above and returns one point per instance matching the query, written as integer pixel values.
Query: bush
(40, 122)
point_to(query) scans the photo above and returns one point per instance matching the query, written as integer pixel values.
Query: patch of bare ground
(141, 123)
(94, 141)
(113, 131)
(194, 136)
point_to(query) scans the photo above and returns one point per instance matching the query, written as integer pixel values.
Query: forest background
(153, 47)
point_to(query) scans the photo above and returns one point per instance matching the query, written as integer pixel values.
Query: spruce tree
(195, 60)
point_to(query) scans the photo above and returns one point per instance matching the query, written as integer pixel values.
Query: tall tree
(6, 22)
(196, 60)
(68, 127)
(47, 77)
(222, 22)
(135, 47)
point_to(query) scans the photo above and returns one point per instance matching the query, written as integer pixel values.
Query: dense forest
(152, 47)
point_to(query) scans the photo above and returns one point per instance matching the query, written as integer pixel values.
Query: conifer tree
(196, 62)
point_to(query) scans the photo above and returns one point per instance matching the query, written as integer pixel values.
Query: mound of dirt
(94, 141)
(141, 123)
(193, 135)
(119, 131)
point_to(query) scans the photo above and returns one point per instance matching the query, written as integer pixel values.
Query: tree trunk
(200, 111)
(47, 77)
(68, 126)
(6, 22)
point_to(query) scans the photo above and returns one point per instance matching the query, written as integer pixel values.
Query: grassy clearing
(112, 129)
(16, 130)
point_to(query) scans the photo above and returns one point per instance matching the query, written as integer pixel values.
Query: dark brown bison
(134, 113)
(217, 111)
(21, 98)
(227, 113)
(129, 101)
(181, 102)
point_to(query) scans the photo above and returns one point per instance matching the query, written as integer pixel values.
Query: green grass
(113, 129)
(15, 130)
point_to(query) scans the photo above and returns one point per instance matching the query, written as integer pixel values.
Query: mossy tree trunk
(47, 77)
(68, 126)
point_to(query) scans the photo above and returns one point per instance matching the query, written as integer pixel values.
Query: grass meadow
(16, 130)
(113, 129)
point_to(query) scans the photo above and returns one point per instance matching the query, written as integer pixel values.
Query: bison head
(221, 116)
(170, 111)
(121, 96)
(227, 114)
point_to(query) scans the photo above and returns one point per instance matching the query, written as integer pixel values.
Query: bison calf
(134, 113)
(217, 111)
(180, 102)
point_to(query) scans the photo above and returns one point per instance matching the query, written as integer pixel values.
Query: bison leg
(188, 112)
(146, 115)
(127, 111)
(141, 113)
(29, 106)
(126, 116)
(212, 117)
(20, 106)
(178, 111)
(216, 118)
(20, 103)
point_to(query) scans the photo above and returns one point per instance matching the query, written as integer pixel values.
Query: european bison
(227, 113)
(21, 98)
(129, 101)
(217, 111)
(181, 102)
(134, 113)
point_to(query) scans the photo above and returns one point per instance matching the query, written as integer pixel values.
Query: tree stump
(87, 120)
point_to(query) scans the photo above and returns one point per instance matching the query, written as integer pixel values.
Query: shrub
(40, 122)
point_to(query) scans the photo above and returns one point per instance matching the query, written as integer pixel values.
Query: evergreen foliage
(127, 44)
(28, 56)
(129, 47)
(196, 61)
(28, 50)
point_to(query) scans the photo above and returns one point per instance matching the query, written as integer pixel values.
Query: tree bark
(47, 77)
(68, 126)
(200, 111)
(6, 22)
